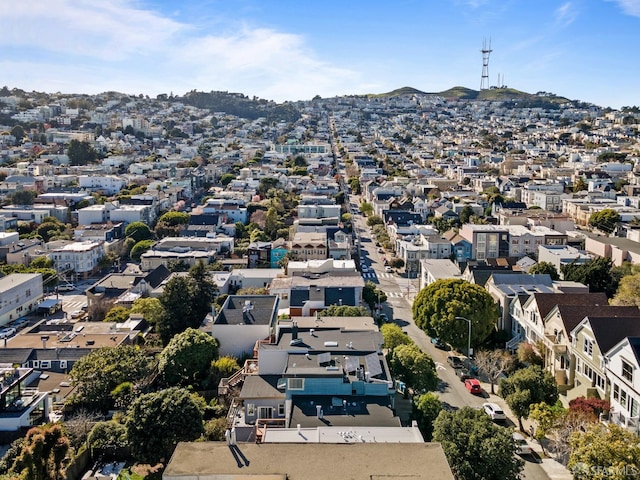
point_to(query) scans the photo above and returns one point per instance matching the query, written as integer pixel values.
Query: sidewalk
(553, 469)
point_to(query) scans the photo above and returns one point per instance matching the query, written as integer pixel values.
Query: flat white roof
(344, 435)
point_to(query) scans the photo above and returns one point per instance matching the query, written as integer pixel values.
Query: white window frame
(45, 364)
(63, 364)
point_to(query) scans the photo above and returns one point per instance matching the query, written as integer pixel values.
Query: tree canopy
(476, 448)
(628, 292)
(426, 409)
(96, 374)
(157, 421)
(414, 367)
(545, 267)
(43, 454)
(139, 248)
(138, 231)
(392, 335)
(596, 273)
(605, 220)
(344, 311)
(81, 153)
(437, 305)
(371, 295)
(526, 387)
(186, 360)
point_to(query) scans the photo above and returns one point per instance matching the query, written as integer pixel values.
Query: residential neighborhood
(359, 270)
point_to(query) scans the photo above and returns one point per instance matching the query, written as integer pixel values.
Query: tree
(18, 132)
(81, 153)
(138, 231)
(591, 406)
(227, 178)
(546, 417)
(414, 367)
(41, 262)
(374, 220)
(605, 220)
(272, 223)
(354, 184)
(526, 387)
(604, 452)
(396, 262)
(107, 437)
(169, 224)
(96, 374)
(545, 267)
(186, 301)
(344, 311)
(596, 273)
(528, 355)
(157, 421)
(43, 454)
(628, 293)
(426, 409)
(223, 367)
(150, 308)
(366, 208)
(23, 197)
(475, 447)
(437, 305)
(139, 248)
(465, 214)
(492, 364)
(187, 358)
(117, 314)
(393, 336)
(372, 295)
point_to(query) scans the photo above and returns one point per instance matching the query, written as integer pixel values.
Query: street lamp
(469, 339)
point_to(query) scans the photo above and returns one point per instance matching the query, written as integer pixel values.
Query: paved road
(400, 293)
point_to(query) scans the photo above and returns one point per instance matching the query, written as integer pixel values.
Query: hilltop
(520, 99)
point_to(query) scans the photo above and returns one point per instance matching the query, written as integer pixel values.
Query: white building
(20, 294)
(81, 257)
(109, 184)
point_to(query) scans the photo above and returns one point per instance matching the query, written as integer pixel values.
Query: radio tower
(486, 50)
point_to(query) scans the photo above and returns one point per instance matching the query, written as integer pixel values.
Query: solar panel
(373, 364)
(324, 358)
(351, 364)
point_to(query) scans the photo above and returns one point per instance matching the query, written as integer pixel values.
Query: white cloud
(118, 46)
(629, 7)
(566, 14)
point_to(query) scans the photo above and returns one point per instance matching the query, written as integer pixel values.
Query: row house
(413, 250)
(80, 257)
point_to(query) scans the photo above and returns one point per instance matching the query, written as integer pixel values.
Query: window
(616, 392)
(251, 409)
(281, 410)
(600, 382)
(623, 398)
(45, 364)
(296, 384)
(588, 346)
(627, 371)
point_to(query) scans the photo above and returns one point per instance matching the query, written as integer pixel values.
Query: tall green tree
(81, 153)
(139, 248)
(151, 309)
(604, 452)
(527, 387)
(344, 311)
(597, 274)
(436, 307)
(186, 360)
(426, 409)
(23, 197)
(605, 220)
(43, 454)
(138, 231)
(475, 447)
(372, 295)
(545, 267)
(96, 374)
(157, 421)
(414, 367)
(393, 336)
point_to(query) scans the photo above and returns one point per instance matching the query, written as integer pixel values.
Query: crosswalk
(394, 294)
(379, 275)
(369, 275)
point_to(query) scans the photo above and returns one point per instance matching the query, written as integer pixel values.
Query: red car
(473, 386)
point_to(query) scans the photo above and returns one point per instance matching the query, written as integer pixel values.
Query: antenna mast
(486, 50)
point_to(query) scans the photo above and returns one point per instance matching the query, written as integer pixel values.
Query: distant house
(20, 294)
(243, 320)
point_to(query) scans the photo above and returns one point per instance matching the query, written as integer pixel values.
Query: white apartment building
(81, 257)
(20, 294)
(110, 184)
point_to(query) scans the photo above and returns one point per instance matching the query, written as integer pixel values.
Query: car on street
(381, 250)
(365, 269)
(463, 373)
(455, 362)
(438, 343)
(7, 332)
(522, 446)
(494, 411)
(388, 269)
(77, 314)
(383, 317)
(473, 386)
(67, 287)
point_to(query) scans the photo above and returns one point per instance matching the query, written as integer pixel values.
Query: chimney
(44, 339)
(294, 331)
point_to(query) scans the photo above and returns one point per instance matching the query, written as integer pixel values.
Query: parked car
(383, 317)
(381, 250)
(473, 386)
(7, 332)
(67, 287)
(494, 411)
(438, 343)
(455, 362)
(388, 269)
(464, 374)
(77, 314)
(522, 446)
(365, 269)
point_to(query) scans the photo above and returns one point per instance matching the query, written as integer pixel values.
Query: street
(400, 294)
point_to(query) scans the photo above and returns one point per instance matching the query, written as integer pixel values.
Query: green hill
(519, 98)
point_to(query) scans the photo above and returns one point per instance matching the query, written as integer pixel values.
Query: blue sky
(295, 49)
